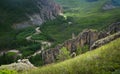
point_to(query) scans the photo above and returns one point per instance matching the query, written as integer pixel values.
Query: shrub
(63, 55)
(36, 60)
(83, 49)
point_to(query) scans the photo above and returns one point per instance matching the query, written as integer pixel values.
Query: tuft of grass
(8, 72)
(103, 60)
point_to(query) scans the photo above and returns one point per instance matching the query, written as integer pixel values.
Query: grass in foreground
(104, 60)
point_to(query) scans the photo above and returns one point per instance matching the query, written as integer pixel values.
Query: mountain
(50, 31)
(23, 13)
(20, 17)
(20, 14)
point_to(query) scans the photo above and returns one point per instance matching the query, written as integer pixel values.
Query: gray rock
(87, 37)
(22, 65)
(48, 10)
(105, 40)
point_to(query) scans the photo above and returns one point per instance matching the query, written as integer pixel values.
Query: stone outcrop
(21, 65)
(46, 10)
(105, 40)
(113, 28)
(87, 37)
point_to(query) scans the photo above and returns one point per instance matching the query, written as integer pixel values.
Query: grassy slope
(104, 60)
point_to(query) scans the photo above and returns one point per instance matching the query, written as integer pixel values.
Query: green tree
(63, 55)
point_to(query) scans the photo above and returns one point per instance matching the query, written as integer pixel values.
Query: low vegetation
(104, 60)
(63, 55)
(8, 72)
(80, 15)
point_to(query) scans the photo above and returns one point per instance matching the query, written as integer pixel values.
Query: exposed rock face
(47, 10)
(115, 27)
(112, 29)
(87, 37)
(22, 65)
(105, 40)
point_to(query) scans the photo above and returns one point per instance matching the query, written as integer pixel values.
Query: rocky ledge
(21, 65)
(87, 37)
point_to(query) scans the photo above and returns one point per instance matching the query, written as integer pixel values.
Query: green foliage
(81, 50)
(8, 72)
(103, 60)
(8, 58)
(63, 54)
(29, 49)
(37, 60)
(43, 37)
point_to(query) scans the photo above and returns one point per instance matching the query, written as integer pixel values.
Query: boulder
(21, 65)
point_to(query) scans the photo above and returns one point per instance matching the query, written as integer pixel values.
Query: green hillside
(80, 14)
(104, 60)
(83, 15)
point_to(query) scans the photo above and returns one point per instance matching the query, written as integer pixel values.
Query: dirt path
(44, 44)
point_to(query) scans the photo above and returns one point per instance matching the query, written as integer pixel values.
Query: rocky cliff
(87, 37)
(23, 13)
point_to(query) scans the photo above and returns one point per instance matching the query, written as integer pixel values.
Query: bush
(83, 49)
(36, 60)
(63, 55)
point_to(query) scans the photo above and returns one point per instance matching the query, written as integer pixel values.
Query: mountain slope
(17, 14)
(18, 20)
(104, 60)
(81, 15)
(36, 11)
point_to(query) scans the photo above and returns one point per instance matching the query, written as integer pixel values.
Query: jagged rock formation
(112, 29)
(21, 65)
(115, 27)
(105, 40)
(28, 12)
(48, 10)
(87, 37)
